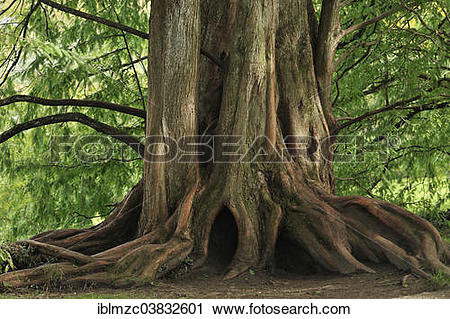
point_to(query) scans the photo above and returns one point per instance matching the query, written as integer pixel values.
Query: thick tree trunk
(173, 100)
(272, 90)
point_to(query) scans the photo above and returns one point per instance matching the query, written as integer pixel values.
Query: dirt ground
(386, 283)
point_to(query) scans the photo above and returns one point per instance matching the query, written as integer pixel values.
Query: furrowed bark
(173, 99)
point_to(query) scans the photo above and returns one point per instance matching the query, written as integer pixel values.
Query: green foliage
(439, 281)
(405, 59)
(56, 62)
(6, 262)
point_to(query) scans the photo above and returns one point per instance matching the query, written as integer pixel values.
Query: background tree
(249, 68)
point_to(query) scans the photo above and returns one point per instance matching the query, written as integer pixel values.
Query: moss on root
(21, 255)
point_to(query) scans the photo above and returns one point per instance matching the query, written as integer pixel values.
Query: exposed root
(406, 240)
(60, 253)
(137, 259)
(118, 228)
(153, 261)
(273, 217)
(340, 233)
(49, 274)
(247, 252)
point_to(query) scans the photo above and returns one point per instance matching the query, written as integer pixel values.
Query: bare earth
(386, 283)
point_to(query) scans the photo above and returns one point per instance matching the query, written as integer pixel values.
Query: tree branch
(115, 133)
(73, 102)
(8, 7)
(375, 112)
(100, 20)
(378, 86)
(417, 110)
(124, 65)
(368, 22)
(131, 63)
(426, 107)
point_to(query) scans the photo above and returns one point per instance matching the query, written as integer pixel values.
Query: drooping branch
(105, 55)
(347, 69)
(344, 56)
(427, 107)
(378, 86)
(132, 62)
(417, 110)
(74, 102)
(367, 44)
(385, 83)
(115, 133)
(400, 105)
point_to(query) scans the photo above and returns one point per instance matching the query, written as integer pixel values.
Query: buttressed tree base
(269, 75)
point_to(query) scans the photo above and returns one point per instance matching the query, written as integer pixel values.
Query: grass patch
(440, 281)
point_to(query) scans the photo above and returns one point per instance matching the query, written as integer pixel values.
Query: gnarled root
(132, 262)
(118, 228)
(340, 233)
(405, 239)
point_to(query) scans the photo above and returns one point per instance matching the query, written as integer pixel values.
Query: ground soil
(386, 283)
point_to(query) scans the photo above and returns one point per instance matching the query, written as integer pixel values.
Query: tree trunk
(271, 90)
